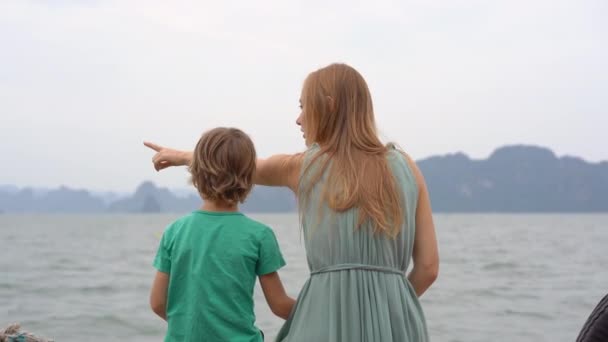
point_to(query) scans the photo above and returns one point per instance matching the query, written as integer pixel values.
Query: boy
(208, 260)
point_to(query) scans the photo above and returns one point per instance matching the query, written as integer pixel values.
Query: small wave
(487, 292)
(6, 286)
(128, 323)
(96, 289)
(528, 314)
(493, 266)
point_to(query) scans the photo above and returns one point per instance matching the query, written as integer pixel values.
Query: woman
(365, 212)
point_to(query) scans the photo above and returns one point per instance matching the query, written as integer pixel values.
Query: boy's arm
(280, 303)
(158, 294)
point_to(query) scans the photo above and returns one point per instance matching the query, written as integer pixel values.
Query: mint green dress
(357, 290)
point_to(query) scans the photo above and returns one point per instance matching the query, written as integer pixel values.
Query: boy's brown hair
(223, 165)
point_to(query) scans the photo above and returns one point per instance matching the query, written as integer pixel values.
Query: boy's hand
(158, 294)
(280, 303)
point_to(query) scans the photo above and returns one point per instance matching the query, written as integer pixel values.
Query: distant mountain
(61, 200)
(108, 196)
(150, 198)
(266, 199)
(9, 188)
(516, 179)
(513, 179)
(147, 198)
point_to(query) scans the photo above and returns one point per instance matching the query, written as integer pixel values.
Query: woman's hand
(278, 170)
(166, 157)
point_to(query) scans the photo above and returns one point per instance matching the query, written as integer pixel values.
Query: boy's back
(212, 259)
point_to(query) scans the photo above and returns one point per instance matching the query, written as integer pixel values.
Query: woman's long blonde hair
(339, 117)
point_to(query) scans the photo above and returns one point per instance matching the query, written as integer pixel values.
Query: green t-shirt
(212, 259)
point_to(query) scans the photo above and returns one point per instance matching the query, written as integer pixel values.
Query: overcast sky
(83, 83)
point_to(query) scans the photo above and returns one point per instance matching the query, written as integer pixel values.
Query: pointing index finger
(153, 146)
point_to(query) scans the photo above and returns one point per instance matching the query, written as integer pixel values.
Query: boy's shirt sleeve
(270, 258)
(162, 261)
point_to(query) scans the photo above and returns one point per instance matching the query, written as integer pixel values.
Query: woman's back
(358, 290)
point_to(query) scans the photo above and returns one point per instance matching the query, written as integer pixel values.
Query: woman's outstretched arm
(278, 170)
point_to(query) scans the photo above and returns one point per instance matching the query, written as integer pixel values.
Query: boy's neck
(219, 207)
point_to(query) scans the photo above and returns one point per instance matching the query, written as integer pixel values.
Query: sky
(84, 82)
